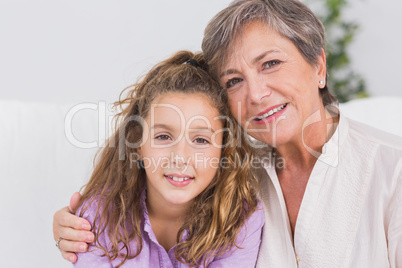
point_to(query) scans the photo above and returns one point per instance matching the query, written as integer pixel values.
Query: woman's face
(272, 89)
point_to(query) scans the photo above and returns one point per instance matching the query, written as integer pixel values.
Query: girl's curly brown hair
(216, 215)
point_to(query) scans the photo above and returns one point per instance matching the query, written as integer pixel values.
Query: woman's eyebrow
(227, 72)
(264, 54)
(255, 60)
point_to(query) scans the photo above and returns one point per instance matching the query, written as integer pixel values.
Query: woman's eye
(232, 82)
(162, 137)
(270, 64)
(201, 141)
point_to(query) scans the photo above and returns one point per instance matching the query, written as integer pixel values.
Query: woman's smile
(270, 114)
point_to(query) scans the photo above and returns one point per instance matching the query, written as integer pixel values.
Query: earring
(321, 83)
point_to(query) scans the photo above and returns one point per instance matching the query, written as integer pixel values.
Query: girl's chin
(179, 200)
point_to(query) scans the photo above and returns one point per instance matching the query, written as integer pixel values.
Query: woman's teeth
(178, 179)
(271, 112)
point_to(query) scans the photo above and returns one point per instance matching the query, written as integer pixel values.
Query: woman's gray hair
(290, 18)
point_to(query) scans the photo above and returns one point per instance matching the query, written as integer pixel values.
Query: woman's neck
(305, 150)
(299, 158)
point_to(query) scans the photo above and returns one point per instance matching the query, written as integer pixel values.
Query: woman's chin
(279, 136)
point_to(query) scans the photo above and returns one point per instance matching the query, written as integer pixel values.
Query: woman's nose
(258, 89)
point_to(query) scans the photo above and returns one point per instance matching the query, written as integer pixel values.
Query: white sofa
(42, 163)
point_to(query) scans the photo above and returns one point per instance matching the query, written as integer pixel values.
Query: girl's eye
(232, 82)
(162, 137)
(270, 64)
(201, 141)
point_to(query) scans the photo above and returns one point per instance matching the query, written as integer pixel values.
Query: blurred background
(73, 51)
(56, 56)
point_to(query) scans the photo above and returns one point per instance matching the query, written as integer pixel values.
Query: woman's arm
(93, 257)
(395, 223)
(248, 241)
(74, 230)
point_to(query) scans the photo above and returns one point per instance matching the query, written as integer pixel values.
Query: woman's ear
(322, 69)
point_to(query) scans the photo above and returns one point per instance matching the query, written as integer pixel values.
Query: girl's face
(272, 89)
(181, 147)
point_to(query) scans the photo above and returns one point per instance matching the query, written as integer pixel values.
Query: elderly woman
(336, 198)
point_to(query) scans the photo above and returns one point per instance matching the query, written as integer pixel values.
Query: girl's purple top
(154, 255)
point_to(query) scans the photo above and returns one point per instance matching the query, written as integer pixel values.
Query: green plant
(342, 80)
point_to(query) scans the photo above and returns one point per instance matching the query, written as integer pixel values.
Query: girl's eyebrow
(164, 126)
(192, 128)
(204, 128)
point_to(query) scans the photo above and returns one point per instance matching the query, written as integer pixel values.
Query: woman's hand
(74, 232)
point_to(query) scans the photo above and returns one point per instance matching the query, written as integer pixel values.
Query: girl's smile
(179, 180)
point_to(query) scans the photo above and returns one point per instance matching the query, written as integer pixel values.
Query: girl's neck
(166, 220)
(161, 211)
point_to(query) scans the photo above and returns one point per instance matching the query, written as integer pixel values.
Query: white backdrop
(74, 51)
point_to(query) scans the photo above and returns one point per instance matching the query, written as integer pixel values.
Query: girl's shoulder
(252, 226)
(88, 208)
(248, 240)
(256, 221)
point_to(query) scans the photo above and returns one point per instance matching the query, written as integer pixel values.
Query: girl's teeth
(179, 179)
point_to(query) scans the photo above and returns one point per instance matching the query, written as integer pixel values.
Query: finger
(56, 222)
(74, 201)
(71, 257)
(65, 219)
(68, 226)
(71, 246)
(76, 235)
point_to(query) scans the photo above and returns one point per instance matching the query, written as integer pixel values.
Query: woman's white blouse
(351, 213)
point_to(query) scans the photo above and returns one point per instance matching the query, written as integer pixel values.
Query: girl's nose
(180, 155)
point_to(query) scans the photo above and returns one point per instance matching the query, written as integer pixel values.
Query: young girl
(173, 186)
